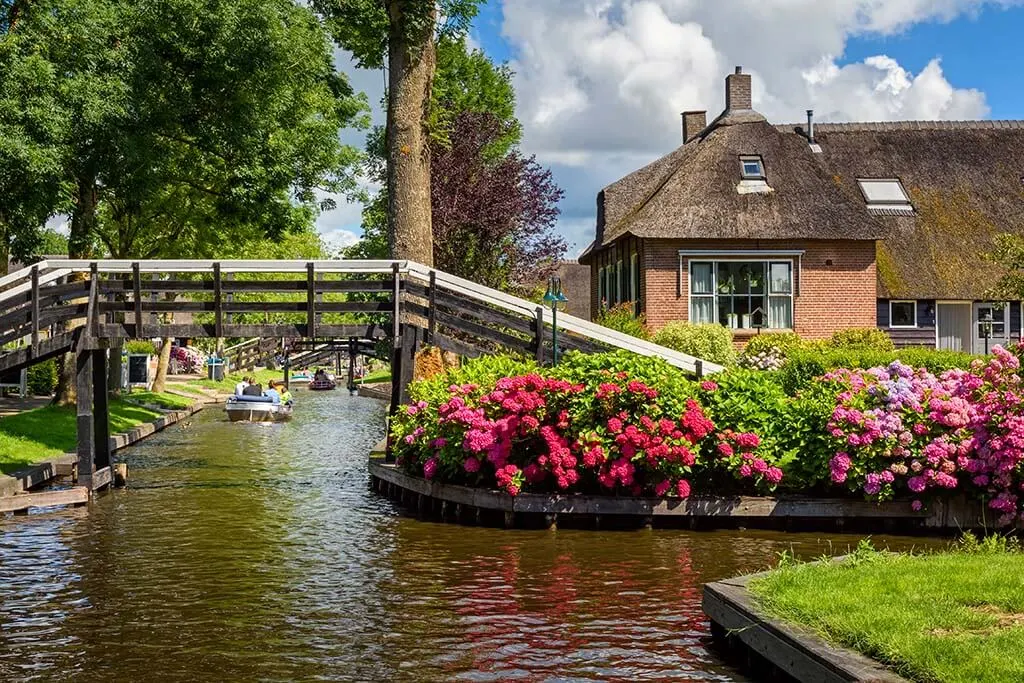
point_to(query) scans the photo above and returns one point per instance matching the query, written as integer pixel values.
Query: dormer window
(885, 196)
(752, 168)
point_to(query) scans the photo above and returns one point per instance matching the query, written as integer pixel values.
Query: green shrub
(593, 369)
(42, 378)
(709, 342)
(863, 338)
(812, 361)
(482, 371)
(621, 319)
(781, 341)
(139, 346)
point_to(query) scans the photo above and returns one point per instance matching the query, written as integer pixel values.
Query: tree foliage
(493, 211)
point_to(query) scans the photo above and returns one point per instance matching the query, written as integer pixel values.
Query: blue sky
(600, 83)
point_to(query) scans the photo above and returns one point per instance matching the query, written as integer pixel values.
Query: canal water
(258, 552)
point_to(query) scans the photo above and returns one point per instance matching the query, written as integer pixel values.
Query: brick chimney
(737, 91)
(693, 123)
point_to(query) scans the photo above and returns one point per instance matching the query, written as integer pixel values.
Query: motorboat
(325, 383)
(257, 409)
(301, 378)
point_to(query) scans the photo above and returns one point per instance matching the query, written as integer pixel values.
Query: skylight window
(752, 168)
(885, 195)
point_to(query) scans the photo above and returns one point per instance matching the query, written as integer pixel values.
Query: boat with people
(250, 403)
(322, 381)
(303, 377)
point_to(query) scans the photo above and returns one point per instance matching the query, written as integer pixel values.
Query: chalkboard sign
(138, 369)
(12, 377)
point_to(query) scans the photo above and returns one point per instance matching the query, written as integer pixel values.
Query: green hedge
(709, 342)
(803, 365)
(42, 378)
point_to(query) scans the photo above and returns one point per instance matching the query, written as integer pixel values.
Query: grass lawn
(227, 385)
(42, 433)
(164, 400)
(953, 616)
(379, 376)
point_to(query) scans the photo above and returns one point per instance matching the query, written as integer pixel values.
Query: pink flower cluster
(900, 429)
(547, 434)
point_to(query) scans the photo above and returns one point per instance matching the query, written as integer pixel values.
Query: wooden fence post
(93, 317)
(397, 302)
(538, 331)
(698, 368)
(432, 319)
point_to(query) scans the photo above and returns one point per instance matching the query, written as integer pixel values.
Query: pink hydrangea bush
(612, 436)
(901, 431)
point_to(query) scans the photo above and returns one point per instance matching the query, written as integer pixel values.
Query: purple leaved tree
(494, 215)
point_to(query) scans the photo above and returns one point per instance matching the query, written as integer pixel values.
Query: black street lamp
(554, 297)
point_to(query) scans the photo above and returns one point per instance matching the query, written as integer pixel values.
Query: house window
(609, 276)
(602, 294)
(885, 194)
(751, 168)
(902, 314)
(742, 294)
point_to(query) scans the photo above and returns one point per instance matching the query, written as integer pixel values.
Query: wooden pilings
(93, 419)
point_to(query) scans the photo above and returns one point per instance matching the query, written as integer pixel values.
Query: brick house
(816, 228)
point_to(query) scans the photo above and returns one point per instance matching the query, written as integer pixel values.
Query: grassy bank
(376, 377)
(953, 616)
(163, 400)
(42, 433)
(227, 384)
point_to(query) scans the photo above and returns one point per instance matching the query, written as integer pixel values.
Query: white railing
(53, 270)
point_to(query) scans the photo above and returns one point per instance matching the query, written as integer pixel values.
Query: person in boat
(253, 389)
(240, 387)
(320, 375)
(272, 392)
(286, 395)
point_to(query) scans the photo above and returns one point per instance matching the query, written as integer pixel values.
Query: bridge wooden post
(35, 313)
(351, 363)
(218, 309)
(432, 320)
(403, 364)
(310, 302)
(140, 326)
(85, 422)
(100, 410)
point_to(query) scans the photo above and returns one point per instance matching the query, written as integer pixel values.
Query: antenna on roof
(810, 126)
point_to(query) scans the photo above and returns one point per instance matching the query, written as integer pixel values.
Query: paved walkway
(12, 405)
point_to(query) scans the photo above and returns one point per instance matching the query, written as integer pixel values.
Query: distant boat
(301, 378)
(324, 384)
(256, 409)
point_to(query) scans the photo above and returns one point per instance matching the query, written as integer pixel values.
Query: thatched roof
(964, 179)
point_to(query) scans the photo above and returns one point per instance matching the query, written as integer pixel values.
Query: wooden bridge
(86, 307)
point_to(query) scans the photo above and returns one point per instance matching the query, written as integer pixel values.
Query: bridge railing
(109, 300)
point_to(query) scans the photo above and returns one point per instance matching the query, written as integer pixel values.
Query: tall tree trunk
(411, 62)
(160, 381)
(83, 223)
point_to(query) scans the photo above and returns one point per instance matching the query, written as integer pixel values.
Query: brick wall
(832, 297)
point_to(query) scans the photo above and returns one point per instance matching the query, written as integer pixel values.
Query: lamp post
(986, 327)
(554, 297)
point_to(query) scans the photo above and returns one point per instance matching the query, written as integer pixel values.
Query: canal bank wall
(15, 488)
(456, 503)
(775, 650)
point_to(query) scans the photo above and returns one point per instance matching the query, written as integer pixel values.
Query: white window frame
(752, 159)
(618, 282)
(767, 261)
(913, 302)
(903, 204)
(634, 280)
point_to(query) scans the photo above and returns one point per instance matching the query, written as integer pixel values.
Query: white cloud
(600, 83)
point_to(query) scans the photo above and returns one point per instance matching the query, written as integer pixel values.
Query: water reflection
(258, 552)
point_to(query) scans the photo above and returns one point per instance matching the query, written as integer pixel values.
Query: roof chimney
(737, 91)
(810, 126)
(693, 123)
